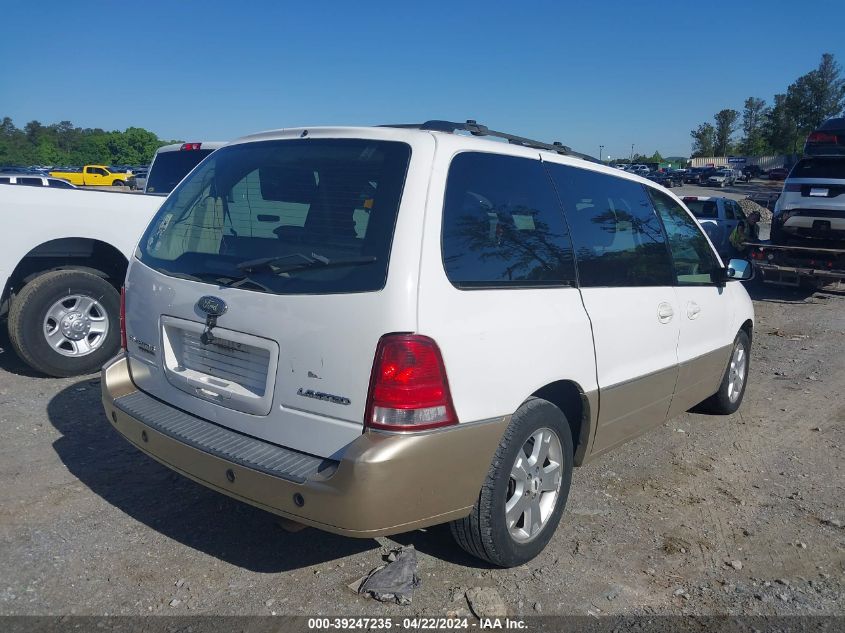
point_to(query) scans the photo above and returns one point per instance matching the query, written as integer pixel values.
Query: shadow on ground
(193, 515)
(9, 360)
(174, 505)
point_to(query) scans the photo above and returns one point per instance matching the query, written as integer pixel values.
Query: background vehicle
(812, 203)
(172, 163)
(34, 180)
(288, 297)
(139, 178)
(63, 257)
(828, 140)
(92, 176)
(699, 175)
(751, 171)
(778, 173)
(718, 217)
(666, 178)
(721, 178)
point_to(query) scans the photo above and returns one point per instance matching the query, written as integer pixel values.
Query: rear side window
(703, 208)
(169, 168)
(310, 216)
(61, 184)
(5, 180)
(616, 234)
(31, 182)
(819, 168)
(502, 225)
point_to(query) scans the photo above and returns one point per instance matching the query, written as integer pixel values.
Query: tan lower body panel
(384, 483)
(630, 408)
(698, 379)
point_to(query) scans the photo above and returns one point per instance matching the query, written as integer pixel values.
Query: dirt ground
(705, 515)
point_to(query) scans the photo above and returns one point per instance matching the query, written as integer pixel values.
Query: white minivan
(373, 330)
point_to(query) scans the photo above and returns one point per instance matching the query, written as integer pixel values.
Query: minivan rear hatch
(258, 301)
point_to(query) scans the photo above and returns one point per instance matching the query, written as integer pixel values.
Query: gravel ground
(705, 515)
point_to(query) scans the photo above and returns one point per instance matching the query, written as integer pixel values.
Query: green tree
(753, 120)
(703, 140)
(655, 158)
(780, 130)
(64, 144)
(726, 121)
(816, 96)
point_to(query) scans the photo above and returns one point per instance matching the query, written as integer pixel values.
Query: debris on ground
(486, 602)
(749, 206)
(395, 581)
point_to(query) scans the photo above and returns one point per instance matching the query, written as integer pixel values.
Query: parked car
(827, 140)
(778, 173)
(812, 203)
(92, 175)
(640, 170)
(172, 163)
(751, 171)
(33, 180)
(721, 178)
(718, 217)
(699, 175)
(139, 180)
(666, 178)
(63, 257)
(286, 341)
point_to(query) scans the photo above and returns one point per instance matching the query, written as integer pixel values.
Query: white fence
(764, 162)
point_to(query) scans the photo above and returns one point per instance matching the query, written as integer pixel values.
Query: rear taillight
(821, 137)
(191, 146)
(792, 188)
(408, 387)
(123, 317)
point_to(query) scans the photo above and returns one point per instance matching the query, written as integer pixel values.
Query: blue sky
(585, 73)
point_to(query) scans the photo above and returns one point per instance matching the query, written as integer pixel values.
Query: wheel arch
(67, 253)
(579, 409)
(748, 328)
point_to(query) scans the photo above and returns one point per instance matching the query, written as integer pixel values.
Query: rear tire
(500, 529)
(732, 388)
(44, 317)
(118, 183)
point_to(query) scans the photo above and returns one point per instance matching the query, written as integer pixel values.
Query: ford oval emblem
(212, 306)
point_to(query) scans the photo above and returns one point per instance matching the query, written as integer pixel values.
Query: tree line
(64, 144)
(779, 128)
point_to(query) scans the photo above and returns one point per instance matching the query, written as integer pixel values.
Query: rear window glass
(61, 184)
(819, 168)
(703, 208)
(169, 168)
(288, 217)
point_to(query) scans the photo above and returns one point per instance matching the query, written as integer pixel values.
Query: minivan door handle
(693, 310)
(665, 312)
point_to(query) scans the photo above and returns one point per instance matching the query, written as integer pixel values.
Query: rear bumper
(381, 483)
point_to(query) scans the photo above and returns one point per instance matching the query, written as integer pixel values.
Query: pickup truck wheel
(522, 499)
(732, 388)
(118, 183)
(65, 323)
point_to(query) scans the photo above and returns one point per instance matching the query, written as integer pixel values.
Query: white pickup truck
(63, 257)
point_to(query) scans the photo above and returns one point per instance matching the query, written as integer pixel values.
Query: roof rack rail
(476, 129)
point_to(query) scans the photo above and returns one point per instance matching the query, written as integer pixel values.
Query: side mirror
(739, 270)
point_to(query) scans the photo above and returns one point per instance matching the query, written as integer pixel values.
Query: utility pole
(632, 152)
(601, 151)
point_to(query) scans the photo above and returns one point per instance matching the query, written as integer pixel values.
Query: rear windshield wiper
(315, 261)
(251, 265)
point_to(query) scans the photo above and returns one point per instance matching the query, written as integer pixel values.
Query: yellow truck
(92, 175)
